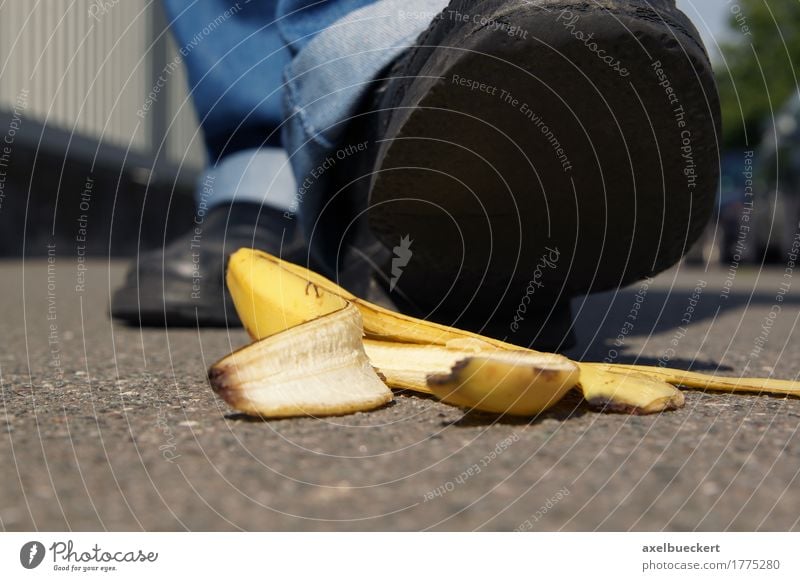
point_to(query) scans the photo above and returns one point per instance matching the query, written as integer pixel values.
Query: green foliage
(758, 72)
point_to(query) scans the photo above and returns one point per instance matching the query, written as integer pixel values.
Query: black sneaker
(526, 152)
(184, 284)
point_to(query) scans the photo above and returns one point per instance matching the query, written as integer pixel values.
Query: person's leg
(235, 54)
(511, 132)
(235, 57)
(530, 150)
(339, 50)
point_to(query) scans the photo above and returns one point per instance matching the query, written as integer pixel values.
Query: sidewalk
(108, 427)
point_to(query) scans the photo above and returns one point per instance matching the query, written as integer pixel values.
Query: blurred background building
(92, 90)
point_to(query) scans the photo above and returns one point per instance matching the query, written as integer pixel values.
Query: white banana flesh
(318, 368)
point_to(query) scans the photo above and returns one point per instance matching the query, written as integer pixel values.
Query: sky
(710, 17)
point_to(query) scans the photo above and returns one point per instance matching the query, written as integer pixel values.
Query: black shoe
(521, 130)
(184, 284)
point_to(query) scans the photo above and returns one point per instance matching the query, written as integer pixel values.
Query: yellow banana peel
(310, 350)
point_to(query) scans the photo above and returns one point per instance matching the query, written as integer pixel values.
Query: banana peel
(288, 310)
(273, 297)
(266, 289)
(628, 391)
(502, 382)
(701, 381)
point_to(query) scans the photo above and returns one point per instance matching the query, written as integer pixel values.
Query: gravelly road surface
(103, 426)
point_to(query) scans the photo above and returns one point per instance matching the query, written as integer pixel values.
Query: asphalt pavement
(109, 427)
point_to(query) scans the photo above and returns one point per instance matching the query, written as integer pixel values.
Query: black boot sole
(519, 137)
(147, 306)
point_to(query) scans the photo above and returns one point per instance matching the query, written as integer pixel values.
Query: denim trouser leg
(237, 54)
(336, 53)
(235, 57)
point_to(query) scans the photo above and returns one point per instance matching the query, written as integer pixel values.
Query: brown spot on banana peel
(505, 383)
(315, 287)
(225, 381)
(219, 378)
(437, 379)
(546, 374)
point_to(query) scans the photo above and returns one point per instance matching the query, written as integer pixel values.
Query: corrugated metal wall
(88, 65)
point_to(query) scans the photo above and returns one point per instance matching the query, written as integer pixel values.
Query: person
(476, 162)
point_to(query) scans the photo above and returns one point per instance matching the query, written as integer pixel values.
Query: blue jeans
(275, 81)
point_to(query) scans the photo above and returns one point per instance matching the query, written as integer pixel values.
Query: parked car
(759, 201)
(737, 192)
(720, 238)
(776, 207)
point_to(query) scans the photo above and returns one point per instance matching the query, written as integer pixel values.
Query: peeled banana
(313, 356)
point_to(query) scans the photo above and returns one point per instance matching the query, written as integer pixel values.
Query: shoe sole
(150, 309)
(524, 138)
